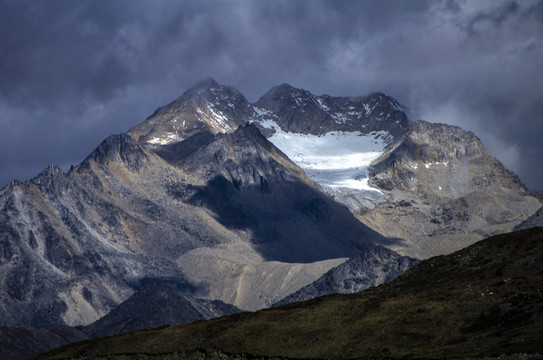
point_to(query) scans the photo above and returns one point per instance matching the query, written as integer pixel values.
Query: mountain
(480, 302)
(221, 199)
(207, 106)
(444, 191)
(154, 305)
(432, 185)
(299, 111)
(371, 268)
(218, 215)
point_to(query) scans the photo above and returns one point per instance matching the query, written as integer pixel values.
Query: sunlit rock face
(444, 191)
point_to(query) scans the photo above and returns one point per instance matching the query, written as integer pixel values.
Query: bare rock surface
(444, 191)
(371, 268)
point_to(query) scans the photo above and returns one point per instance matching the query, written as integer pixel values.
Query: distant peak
(207, 82)
(283, 90)
(285, 87)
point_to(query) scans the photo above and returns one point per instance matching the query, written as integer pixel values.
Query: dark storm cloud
(75, 71)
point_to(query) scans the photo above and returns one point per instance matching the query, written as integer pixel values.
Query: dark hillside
(483, 301)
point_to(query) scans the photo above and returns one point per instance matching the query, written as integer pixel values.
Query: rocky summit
(444, 191)
(247, 203)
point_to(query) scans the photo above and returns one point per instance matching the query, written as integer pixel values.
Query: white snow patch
(335, 159)
(218, 121)
(444, 163)
(368, 108)
(168, 138)
(340, 118)
(263, 112)
(322, 104)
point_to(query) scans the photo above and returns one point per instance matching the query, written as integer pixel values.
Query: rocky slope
(481, 302)
(371, 268)
(444, 191)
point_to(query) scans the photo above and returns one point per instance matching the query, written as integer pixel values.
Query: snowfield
(335, 159)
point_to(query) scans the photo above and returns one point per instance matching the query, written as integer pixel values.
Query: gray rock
(370, 268)
(444, 191)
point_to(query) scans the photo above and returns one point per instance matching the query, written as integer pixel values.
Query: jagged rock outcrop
(207, 106)
(299, 111)
(371, 268)
(444, 191)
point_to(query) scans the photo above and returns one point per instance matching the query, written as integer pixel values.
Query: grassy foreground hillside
(485, 300)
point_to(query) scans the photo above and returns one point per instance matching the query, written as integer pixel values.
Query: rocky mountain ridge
(196, 198)
(221, 109)
(211, 216)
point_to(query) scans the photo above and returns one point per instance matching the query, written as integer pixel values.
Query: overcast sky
(73, 72)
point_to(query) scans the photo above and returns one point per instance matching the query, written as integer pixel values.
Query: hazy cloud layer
(73, 72)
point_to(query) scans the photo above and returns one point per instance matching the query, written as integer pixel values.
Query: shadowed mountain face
(155, 305)
(482, 301)
(252, 186)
